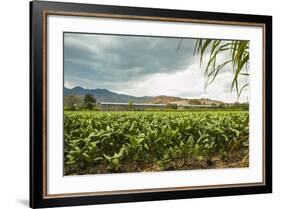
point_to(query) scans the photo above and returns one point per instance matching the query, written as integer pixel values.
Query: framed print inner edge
(44, 93)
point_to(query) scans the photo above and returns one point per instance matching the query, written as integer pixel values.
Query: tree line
(78, 102)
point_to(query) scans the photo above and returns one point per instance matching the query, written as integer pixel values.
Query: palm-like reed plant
(239, 59)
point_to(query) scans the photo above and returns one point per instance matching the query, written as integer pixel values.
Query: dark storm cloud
(105, 61)
(143, 66)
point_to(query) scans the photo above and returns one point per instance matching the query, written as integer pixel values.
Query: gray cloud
(103, 58)
(138, 65)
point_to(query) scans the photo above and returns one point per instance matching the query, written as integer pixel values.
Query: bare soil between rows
(236, 159)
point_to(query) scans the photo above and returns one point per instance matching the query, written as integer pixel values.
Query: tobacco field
(116, 142)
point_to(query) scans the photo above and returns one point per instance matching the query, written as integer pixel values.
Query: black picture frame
(38, 12)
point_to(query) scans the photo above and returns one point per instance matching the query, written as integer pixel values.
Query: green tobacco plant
(115, 140)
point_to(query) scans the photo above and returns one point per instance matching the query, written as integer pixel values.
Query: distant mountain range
(104, 95)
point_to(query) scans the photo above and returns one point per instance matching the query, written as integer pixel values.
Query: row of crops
(106, 142)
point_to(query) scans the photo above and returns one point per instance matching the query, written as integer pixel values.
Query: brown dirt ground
(237, 159)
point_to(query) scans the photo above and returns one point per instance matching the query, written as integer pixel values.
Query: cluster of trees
(235, 106)
(172, 106)
(76, 102)
(195, 102)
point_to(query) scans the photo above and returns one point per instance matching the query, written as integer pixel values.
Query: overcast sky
(141, 66)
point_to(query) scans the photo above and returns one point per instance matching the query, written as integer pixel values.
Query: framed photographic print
(140, 104)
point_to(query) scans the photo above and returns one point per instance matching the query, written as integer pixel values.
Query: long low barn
(122, 106)
(105, 106)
